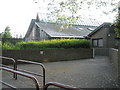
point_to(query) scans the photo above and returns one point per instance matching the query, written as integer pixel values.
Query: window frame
(97, 42)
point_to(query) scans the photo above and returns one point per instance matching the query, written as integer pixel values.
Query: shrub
(7, 45)
(54, 43)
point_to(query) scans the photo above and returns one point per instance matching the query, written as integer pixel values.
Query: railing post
(15, 68)
(43, 76)
(43, 68)
(14, 64)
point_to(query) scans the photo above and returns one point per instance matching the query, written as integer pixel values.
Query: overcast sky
(18, 13)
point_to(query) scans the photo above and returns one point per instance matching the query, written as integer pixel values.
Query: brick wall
(113, 55)
(101, 51)
(101, 34)
(49, 55)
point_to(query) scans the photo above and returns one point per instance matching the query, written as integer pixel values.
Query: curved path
(84, 73)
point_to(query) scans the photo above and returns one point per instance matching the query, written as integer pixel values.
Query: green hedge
(7, 45)
(55, 43)
(48, 44)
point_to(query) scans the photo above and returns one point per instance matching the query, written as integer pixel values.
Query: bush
(7, 45)
(54, 43)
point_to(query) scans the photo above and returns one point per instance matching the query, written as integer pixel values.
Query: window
(100, 42)
(97, 42)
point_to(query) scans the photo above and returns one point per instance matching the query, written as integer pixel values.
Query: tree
(117, 23)
(66, 12)
(6, 33)
(0, 35)
(117, 26)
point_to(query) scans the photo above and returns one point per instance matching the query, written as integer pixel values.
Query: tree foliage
(0, 35)
(6, 33)
(117, 26)
(117, 22)
(66, 12)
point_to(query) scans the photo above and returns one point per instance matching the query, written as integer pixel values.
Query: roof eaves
(68, 36)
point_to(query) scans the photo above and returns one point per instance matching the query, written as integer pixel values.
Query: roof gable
(99, 28)
(30, 27)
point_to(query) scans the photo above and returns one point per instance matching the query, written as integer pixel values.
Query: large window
(97, 42)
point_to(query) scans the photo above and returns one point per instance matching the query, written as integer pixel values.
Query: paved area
(85, 73)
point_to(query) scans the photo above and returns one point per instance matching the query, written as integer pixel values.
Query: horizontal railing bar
(7, 58)
(23, 74)
(6, 66)
(13, 87)
(31, 62)
(37, 74)
(59, 85)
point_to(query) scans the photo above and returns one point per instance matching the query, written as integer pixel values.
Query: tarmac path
(84, 73)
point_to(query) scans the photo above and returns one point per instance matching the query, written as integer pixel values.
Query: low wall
(113, 55)
(49, 55)
(101, 51)
(110, 52)
(119, 65)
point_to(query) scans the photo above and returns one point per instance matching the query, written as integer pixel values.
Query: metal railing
(14, 64)
(35, 63)
(18, 71)
(22, 74)
(10, 86)
(56, 84)
(66, 87)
